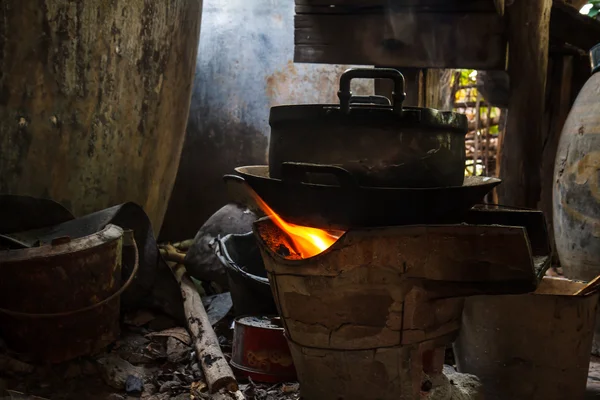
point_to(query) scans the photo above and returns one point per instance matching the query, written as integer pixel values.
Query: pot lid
(369, 110)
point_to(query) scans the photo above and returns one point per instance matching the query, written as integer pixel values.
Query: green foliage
(593, 12)
(466, 77)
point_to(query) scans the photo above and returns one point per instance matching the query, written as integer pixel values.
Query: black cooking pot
(380, 144)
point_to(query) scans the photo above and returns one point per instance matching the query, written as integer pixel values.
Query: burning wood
(298, 242)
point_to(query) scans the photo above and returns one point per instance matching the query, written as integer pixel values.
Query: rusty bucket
(61, 300)
(531, 346)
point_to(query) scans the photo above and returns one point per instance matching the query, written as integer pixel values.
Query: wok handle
(345, 94)
(295, 172)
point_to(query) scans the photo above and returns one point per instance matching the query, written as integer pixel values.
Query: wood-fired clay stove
(371, 317)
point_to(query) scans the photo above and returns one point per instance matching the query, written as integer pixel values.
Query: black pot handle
(295, 172)
(345, 93)
(380, 100)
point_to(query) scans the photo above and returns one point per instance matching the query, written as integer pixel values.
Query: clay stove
(372, 293)
(371, 316)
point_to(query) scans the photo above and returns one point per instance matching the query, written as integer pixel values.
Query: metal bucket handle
(223, 255)
(295, 172)
(89, 308)
(345, 94)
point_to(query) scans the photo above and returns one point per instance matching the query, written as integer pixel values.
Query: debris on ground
(266, 391)
(142, 363)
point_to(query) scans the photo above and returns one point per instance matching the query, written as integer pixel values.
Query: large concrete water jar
(94, 99)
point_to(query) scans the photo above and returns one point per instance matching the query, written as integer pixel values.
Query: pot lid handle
(345, 94)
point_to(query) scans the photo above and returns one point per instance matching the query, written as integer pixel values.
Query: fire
(307, 241)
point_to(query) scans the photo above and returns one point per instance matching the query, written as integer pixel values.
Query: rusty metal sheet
(21, 213)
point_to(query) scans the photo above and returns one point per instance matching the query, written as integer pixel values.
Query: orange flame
(306, 240)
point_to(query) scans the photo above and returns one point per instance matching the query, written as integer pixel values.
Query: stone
(134, 385)
(452, 385)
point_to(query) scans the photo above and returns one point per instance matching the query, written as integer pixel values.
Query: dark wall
(245, 66)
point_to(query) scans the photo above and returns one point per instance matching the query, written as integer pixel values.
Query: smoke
(405, 31)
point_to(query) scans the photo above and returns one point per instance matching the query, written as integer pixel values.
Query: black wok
(349, 205)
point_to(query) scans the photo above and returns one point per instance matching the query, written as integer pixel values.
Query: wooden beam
(528, 26)
(577, 3)
(416, 5)
(414, 40)
(569, 26)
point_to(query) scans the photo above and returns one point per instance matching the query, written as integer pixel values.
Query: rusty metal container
(576, 200)
(531, 346)
(68, 290)
(94, 98)
(370, 315)
(260, 350)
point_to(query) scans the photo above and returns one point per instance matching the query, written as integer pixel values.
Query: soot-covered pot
(380, 144)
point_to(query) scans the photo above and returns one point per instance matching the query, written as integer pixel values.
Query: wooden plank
(528, 26)
(425, 40)
(433, 5)
(569, 26)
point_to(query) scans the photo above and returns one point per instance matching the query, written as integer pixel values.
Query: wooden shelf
(409, 33)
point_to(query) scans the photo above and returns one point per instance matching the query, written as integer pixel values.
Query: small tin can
(260, 350)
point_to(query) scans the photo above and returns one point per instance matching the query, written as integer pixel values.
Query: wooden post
(437, 88)
(486, 154)
(500, 145)
(475, 134)
(528, 31)
(414, 86)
